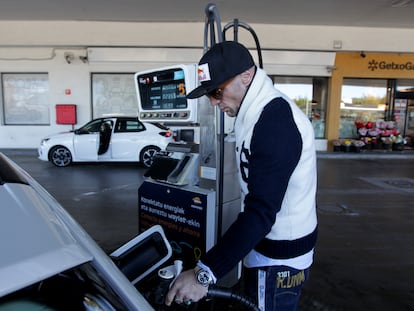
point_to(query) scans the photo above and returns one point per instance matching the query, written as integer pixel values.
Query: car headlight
(44, 141)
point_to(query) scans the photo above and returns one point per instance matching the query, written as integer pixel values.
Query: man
(276, 232)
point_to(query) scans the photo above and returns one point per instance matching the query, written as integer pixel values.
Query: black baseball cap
(222, 62)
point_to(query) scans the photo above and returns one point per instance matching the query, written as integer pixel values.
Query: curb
(404, 154)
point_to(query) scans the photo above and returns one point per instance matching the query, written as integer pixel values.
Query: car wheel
(60, 156)
(147, 155)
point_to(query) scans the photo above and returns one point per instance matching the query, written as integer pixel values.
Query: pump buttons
(182, 115)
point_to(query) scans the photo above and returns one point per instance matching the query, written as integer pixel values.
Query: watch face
(203, 277)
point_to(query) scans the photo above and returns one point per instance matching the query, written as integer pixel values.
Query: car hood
(35, 243)
(39, 239)
(60, 135)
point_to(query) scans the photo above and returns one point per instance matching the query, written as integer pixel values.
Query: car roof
(35, 242)
(117, 117)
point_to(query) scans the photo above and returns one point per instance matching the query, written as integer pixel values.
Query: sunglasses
(218, 92)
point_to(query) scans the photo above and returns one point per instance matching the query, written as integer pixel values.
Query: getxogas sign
(383, 65)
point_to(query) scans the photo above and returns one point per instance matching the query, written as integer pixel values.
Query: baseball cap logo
(203, 73)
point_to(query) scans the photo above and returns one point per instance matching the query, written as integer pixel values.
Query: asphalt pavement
(364, 258)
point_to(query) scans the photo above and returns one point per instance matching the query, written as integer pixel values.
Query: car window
(107, 125)
(91, 127)
(129, 125)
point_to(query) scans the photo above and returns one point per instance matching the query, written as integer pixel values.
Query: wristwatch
(203, 277)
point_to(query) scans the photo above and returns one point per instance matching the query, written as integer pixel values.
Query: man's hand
(186, 289)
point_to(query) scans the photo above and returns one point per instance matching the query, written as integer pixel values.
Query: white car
(110, 139)
(48, 262)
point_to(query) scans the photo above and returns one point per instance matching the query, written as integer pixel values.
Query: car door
(86, 141)
(126, 139)
(86, 146)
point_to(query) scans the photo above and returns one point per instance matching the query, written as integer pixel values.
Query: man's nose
(213, 101)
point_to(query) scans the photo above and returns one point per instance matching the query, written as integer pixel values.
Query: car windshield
(94, 126)
(91, 127)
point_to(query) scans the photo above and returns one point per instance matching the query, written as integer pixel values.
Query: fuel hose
(226, 293)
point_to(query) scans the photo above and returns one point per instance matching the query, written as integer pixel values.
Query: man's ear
(247, 76)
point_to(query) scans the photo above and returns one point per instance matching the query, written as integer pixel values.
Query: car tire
(60, 156)
(147, 154)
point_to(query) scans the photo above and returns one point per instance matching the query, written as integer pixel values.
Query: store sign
(374, 65)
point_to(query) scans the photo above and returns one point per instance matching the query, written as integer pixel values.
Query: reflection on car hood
(35, 244)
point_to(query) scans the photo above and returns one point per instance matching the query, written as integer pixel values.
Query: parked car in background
(109, 139)
(48, 261)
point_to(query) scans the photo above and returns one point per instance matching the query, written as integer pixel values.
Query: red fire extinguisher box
(66, 114)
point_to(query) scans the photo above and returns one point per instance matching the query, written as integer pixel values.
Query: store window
(113, 93)
(25, 98)
(310, 94)
(405, 85)
(363, 100)
(404, 107)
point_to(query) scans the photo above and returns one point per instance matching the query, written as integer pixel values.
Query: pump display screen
(162, 90)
